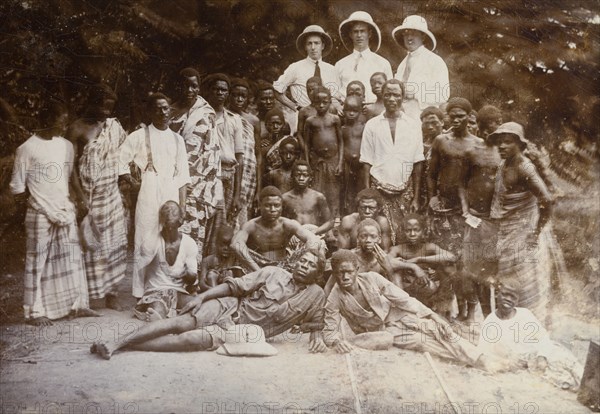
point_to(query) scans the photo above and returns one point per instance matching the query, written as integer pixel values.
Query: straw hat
(314, 29)
(413, 22)
(509, 128)
(358, 17)
(246, 340)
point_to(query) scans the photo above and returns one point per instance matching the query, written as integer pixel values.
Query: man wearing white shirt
(360, 30)
(316, 43)
(391, 148)
(424, 74)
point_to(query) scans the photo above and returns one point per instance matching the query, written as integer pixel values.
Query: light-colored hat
(509, 128)
(246, 340)
(314, 29)
(358, 17)
(413, 22)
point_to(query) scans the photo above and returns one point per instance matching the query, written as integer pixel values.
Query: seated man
(517, 336)
(172, 266)
(272, 298)
(262, 241)
(369, 303)
(216, 267)
(369, 206)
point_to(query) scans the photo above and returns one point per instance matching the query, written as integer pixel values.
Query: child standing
(352, 135)
(312, 84)
(281, 177)
(269, 144)
(377, 80)
(325, 149)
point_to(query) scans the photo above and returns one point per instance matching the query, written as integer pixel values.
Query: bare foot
(84, 313)
(112, 302)
(102, 349)
(152, 315)
(41, 321)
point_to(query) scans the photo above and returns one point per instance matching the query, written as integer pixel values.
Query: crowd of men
(350, 192)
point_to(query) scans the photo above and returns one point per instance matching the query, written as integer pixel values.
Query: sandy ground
(50, 370)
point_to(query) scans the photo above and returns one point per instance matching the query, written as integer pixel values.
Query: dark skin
(282, 177)
(323, 133)
(348, 230)
(446, 166)
(218, 266)
(274, 125)
(477, 189)
(352, 129)
(519, 175)
(377, 107)
(304, 204)
(392, 99)
(431, 126)
(306, 112)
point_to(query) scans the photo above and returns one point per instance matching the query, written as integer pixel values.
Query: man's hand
(316, 343)
(421, 275)
(444, 327)
(343, 347)
(338, 108)
(193, 305)
(236, 207)
(382, 259)
(339, 169)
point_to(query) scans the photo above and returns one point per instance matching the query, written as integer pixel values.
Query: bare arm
(281, 97)
(77, 188)
(345, 234)
(537, 186)
(462, 184)
(307, 138)
(238, 244)
(340, 142)
(435, 255)
(325, 216)
(417, 175)
(309, 238)
(386, 236)
(434, 162)
(367, 175)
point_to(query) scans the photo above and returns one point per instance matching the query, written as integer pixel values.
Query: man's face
(288, 154)
(266, 100)
(367, 238)
(322, 102)
(367, 208)
(431, 126)
(392, 97)
(306, 269)
(472, 124)
(160, 113)
(270, 208)
(413, 39)
(190, 88)
(360, 35)
(459, 119)
(376, 84)
(314, 47)
(508, 145)
(345, 274)
(104, 108)
(59, 126)
(413, 231)
(301, 176)
(239, 98)
(219, 92)
(506, 298)
(274, 124)
(171, 220)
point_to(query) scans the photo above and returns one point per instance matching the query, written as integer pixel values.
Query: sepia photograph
(300, 206)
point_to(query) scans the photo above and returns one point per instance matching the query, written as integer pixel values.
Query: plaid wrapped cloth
(196, 126)
(99, 173)
(54, 280)
(248, 174)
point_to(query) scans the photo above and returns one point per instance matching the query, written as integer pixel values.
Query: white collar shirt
(295, 76)
(360, 66)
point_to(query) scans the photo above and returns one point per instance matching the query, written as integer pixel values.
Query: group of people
(379, 200)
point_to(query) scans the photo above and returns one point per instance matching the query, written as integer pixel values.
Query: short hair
(302, 162)
(320, 255)
(153, 97)
(413, 216)
(322, 89)
(315, 79)
(270, 191)
(343, 255)
(239, 82)
(488, 113)
(357, 82)
(189, 73)
(290, 140)
(394, 82)
(383, 75)
(224, 231)
(99, 92)
(367, 223)
(369, 194)
(461, 103)
(275, 112)
(167, 209)
(353, 97)
(473, 112)
(262, 85)
(511, 283)
(432, 110)
(50, 111)
(215, 77)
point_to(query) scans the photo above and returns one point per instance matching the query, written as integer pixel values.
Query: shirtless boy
(265, 238)
(312, 84)
(325, 149)
(377, 80)
(352, 133)
(369, 206)
(216, 267)
(289, 150)
(304, 204)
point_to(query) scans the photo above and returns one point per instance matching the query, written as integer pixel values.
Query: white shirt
(368, 64)
(428, 78)
(392, 161)
(160, 275)
(229, 130)
(296, 75)
(44, 167)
